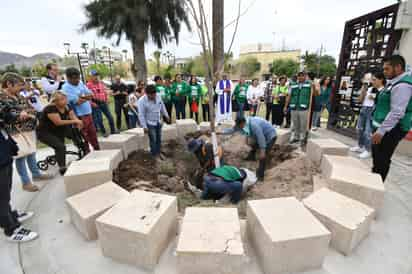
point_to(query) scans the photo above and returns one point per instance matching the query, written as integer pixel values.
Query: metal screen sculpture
(366, 41)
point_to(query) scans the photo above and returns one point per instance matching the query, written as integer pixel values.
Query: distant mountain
(7, 58)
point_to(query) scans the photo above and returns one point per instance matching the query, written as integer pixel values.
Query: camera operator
(10, 221)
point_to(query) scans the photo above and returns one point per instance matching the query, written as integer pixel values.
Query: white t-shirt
(254, 93)
(133, 101)
(367, 102)
(34, 99)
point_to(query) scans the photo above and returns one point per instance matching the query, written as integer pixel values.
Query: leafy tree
(11, 68)
(248, 66)
(102, 69)
(25, 71)
(39, 69)
(120, 69)
(137, 21)
(325, 65)
(286, 67)
(188, 67)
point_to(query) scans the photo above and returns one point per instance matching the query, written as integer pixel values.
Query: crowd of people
(72, 109)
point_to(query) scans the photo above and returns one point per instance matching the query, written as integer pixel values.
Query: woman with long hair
(194, 97)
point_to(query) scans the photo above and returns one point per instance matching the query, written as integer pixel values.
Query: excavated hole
(289, 173)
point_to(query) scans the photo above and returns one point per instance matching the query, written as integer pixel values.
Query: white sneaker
(357, 149)
(365, 155)
(21, 235)
(24, 216)
(314, 129)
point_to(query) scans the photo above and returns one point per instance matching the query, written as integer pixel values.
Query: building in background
(265, 55)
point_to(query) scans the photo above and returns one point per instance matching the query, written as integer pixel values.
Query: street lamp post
(84, 46)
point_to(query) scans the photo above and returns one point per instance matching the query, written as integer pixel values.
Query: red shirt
(99, 91)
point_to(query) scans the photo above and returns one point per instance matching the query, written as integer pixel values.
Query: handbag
(26, 142)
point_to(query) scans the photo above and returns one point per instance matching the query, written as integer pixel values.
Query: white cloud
(29, 27)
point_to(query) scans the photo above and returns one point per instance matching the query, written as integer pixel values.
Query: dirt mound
(291, 178)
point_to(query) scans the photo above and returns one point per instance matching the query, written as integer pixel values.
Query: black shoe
(62, 171)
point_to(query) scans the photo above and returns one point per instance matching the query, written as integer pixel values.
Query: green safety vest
(161, 90)
(383, 106)
(300, 97)
(227, 173)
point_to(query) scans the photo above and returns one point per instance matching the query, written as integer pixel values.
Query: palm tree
(138, 21)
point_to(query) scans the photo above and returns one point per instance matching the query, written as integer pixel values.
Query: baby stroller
(78, 142)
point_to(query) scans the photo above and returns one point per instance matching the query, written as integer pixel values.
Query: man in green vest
(299, 100)
(392, 118)
(227, 181)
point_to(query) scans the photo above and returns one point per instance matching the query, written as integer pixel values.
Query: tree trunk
(218, 37)
(139, 57)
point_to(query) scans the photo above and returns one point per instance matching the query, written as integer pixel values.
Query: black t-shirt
(116, 87)
(47, 126)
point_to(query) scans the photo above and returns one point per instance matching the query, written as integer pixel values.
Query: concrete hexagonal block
(210, 242)
(169, 132)
(283, 136)
(228, 124)
(86, 207)
(114, 155)
(279, 229)
(329, 161)
(185, 127)
(360, 185)
(138, 228)
(347, 219)
(86, 174)
(142, 139)
(319, 182)
(204, 126)
(316, 148)
(126, 142)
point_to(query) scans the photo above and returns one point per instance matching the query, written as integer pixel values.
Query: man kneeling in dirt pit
(204, 153)
(226, 183)
(264, 136)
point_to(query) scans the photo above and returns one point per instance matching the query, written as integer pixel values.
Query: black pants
(382, 153)
(268, 110)
(8, 217)
(169, 108)
(118, 109)
(57, 143)
(260, 172)
(277, 114)
(195, 114)
(288, 118)
(205, 112)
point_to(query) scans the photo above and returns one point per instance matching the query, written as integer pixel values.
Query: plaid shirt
(99, 91)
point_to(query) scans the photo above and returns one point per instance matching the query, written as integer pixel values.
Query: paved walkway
(61, 250)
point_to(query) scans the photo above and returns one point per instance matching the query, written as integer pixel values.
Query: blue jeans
(365, 127)
(316, 118)
(132, 120)
(155, 138)
(98, 112)
(241, 112)
(215, 188)
(22, 169)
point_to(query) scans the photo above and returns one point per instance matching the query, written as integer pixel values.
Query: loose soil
(288, 173)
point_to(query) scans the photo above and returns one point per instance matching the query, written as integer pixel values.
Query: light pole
(84, 46)
(109, 54)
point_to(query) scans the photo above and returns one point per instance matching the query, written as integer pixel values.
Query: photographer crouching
(10, 220)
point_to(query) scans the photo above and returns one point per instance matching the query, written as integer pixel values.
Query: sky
(29, 27)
